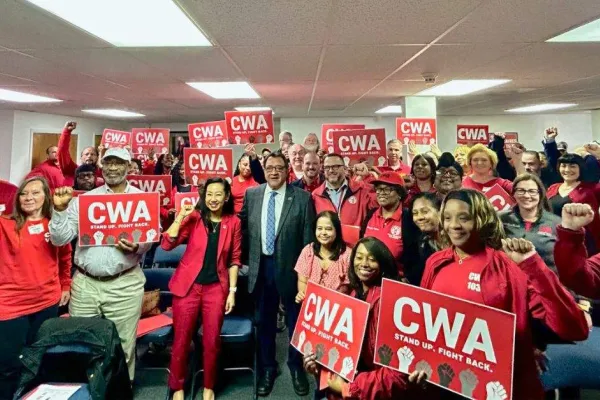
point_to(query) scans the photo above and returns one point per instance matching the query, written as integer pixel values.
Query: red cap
(389, 178)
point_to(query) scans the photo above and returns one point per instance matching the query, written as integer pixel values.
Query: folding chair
(239, 333)
(163, 258)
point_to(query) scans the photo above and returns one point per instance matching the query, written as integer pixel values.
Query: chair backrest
(158, 278)
(169, 258)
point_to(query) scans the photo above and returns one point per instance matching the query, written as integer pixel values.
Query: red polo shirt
(8, 192)
(389, 231)
(462, 280)
(402, 169)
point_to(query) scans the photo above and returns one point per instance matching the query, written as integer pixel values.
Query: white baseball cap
(117, 152)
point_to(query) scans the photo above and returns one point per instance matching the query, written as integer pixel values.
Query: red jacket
(67, 165)
(586, 193)
(576, 271)
(51, 172)
(355, 205)
(7, 197)
(194, 232)
(33, 271)
(529, 290)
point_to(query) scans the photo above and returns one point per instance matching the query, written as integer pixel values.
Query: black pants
(14, 335)
(268, 306)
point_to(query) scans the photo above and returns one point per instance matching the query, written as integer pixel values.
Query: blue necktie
(271, 224)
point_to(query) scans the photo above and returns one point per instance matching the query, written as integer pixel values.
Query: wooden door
(41, 141)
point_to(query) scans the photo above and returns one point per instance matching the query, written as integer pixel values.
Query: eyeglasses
(383, 190)
(450, 172)
(531, 192)
(333, 167)
(278, 168)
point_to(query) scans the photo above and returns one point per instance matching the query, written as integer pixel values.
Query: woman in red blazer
(204, 283)
(515, 280)
(573, 189)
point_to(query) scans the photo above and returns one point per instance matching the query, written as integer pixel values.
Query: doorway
(41, 141)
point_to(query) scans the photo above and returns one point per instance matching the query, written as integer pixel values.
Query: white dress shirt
(98, 261)
(279, 199)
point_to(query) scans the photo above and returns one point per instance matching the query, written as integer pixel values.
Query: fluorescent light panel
(18, 97)
(226, 90)
(253, 108)
(390, 110)
(111, 112)
(541, 107)
(459, 87)
(589, 32)
(129, 23)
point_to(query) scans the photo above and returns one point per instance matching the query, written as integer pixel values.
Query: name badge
(36, 229)
(2, 208)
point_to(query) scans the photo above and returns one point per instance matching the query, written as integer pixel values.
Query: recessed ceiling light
(541, 107)
(130, 23)
(459, 87)
(589, 32)
(18, 97)
(253, 109)
(111, 112)
(226, 90)
(390, 110)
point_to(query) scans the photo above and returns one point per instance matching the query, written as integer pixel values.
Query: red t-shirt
(469, 183)
(32, 270)
(402, 169)
(462, 280)
(389, 231)
(238, 189)
(8, 192)
(51, 172)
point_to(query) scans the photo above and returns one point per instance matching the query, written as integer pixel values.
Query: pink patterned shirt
(336, 276)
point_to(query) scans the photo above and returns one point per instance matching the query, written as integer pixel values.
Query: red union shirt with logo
(388, 230)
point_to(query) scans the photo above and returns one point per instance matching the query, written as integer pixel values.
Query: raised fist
(186, 210)
(98, 236)
(468, 382)
(424, 367)
(307, 348)
(269, 138)
(110, 239)
(301, 339)
(320, 351)
(347, 367)
(385, 354)
(123, 236)
(86, 239)
(405, 357)
(518, 249)
(150, 235)
(137, 234)
(495, 391)
(330, 149)
(551, 133)
(593, 149)
(165, 201)
(575, 216)
(446, 374)
(71, 126)
(62, 197)
(333, 357)
(238, 140)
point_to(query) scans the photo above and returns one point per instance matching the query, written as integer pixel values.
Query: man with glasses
(351, 200)
(277, 220)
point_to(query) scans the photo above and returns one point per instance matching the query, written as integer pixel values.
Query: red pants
(210, 301)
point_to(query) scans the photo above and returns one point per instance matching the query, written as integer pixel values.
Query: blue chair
(163, 258)
(574, 365)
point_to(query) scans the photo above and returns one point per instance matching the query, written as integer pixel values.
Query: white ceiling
(310, 57)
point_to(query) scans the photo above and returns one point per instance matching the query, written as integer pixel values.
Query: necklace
(215, 225)
(461, 259)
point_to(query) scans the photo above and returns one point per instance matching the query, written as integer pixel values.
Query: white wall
(25, 124)
(6, 138)
(574, 128)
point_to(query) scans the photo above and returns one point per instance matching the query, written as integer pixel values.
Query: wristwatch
(233, 289)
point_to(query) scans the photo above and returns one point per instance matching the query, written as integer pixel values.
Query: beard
(114, 181)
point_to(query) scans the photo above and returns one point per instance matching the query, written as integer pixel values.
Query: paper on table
(53, 392)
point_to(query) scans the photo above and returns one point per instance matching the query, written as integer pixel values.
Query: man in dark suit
(277, 220)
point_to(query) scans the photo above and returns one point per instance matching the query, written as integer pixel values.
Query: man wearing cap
(385, 223)
(351, 200)
(109, 280)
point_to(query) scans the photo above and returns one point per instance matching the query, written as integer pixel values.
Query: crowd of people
(300, 214)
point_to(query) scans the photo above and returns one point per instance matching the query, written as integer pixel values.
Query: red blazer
(357, 202)
(586, 193)
(194, 232)
(575, 270)
(528, 290)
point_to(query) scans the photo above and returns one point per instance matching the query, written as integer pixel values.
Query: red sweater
(33, 271)
(49, 170)
(238, 190)
(7, 197)
(529, 290)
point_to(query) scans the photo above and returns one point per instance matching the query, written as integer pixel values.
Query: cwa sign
(471, 134)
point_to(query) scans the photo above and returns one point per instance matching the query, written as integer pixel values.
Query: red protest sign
(201, 164)
(360, 145)
(465, 347)
(509, 137)
(327, 133)
(77, 193)
(471, 134)
(154, 183)
(144, 139)
(417, 130)
(332, 326)
(249, 126)
(106, 218)
(182, 199)
(208, 134)
(114, 138)
(500, 199)
(351, 234)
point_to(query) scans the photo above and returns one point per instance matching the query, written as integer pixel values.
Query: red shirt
(8, 192)
(415, 190)
(389, 231)
(66, 163)
(238, 190)
(469, 183)
(51, 172)
(33, 271)
(357, 201)
(402, 169)
(462, 280)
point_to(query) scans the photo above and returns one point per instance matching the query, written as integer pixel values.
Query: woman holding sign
(482, 162)
(515, 280)
(35, 276)
(204, 283)
(371, 261)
